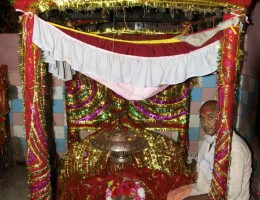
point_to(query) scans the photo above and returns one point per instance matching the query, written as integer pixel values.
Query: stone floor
(13, 183)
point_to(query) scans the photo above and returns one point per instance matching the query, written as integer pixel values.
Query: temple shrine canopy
(145, 66)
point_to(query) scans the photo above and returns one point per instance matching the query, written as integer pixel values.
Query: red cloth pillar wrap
(33, 84)
(226, 98)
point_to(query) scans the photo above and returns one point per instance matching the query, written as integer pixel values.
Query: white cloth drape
(129, 76)
(119, 68)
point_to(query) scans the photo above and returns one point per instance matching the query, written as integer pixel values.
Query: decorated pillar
(227, 80)
(33, 76)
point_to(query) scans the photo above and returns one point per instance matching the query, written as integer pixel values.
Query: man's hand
(197, 197)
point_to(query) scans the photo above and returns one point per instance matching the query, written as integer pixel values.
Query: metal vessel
(121, 144)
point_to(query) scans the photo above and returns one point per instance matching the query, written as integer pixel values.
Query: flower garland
(128, 189)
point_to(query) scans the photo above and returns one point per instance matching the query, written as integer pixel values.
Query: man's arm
(235, 182)
(236, 175)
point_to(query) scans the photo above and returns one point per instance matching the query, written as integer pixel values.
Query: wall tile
(194, 121)
(16, 105)
(209, 81)
(60, 145)
(65, 118)
(10, 115)
(193, 147)
(58, 119)
(196, 94)
(19, 131)
(14, 78)
(193, 134)
(9, 51)
(59, 132)
(18, 119)
(195, 108)
(208, 94)
(58, 92)
(58, 106)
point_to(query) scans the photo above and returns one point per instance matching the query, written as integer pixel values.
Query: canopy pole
(226, 86)
(33, 78)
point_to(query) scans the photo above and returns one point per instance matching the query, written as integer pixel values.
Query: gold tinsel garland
(191, 5)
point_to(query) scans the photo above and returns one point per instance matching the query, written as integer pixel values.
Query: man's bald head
(211, 104)
(208, 117)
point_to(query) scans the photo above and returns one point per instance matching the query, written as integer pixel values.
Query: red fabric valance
(143, 50)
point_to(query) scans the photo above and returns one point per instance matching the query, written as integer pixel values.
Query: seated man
(240, 168)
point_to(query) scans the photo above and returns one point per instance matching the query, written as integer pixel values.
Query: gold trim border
(186, 5)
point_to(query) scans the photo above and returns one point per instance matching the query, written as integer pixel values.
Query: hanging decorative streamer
(33, 75)
(226, 99)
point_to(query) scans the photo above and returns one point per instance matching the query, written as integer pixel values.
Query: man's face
(208, 117)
